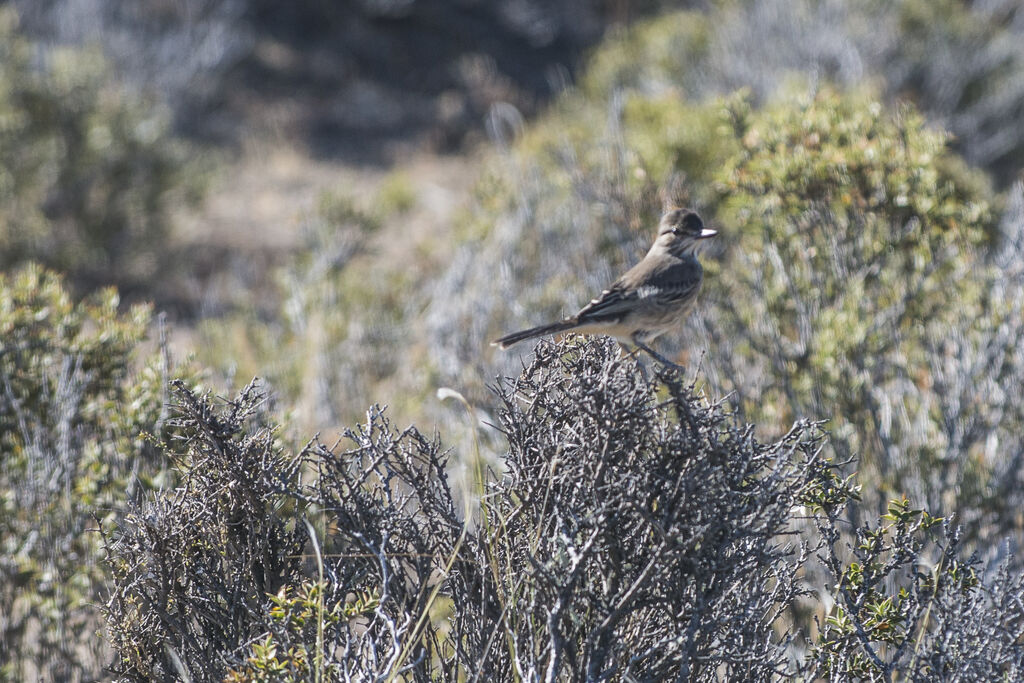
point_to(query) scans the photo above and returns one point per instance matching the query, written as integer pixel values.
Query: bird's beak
(707, 232)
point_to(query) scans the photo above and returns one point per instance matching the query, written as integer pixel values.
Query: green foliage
(905, 604)
(828, 491)
(669, 137)
(299, 613)
(660, 53)
(853, 251)
(851, 245)
(848, 158)
(397, 195)
(88, 171)
(957, 61)
(78, 411)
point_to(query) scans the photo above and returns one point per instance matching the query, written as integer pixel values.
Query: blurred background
(349, 199)
(224, 159)
(253, 110)
(218, 157)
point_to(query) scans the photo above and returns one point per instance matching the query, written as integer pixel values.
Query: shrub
(639, 533)
(192, 568)
(77, 403)
(957, 61)
(248, 573)
(636, 532)
(906, 603)
(88, 171)
(854, 285)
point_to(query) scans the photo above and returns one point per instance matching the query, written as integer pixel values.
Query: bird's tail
(516, 337)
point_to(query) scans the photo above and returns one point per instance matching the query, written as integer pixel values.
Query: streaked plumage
(651, 297)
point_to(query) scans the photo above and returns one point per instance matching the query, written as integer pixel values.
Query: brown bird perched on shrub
(650, 298)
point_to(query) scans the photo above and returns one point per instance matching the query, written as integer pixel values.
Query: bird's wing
(666, 281)
(680, 281)
(610, 306)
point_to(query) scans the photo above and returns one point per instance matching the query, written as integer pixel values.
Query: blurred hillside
(349, 80)
(295, 99)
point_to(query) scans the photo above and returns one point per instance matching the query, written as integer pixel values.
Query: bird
(650, 298)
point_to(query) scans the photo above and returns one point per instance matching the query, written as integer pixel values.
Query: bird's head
(681, 232)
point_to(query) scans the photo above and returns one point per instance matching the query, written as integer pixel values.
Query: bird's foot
(657, 356)
(630, 353)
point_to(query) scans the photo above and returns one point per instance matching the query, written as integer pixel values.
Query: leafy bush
(908, 604)
(959, 62)
(637, 532)
(247, 573)
(88, 172)
(854, 285)
(77, 403)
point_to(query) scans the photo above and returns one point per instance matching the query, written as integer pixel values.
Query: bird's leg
(631, 353)
(656, 356)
